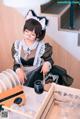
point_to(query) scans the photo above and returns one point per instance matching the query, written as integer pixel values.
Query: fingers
(21, 75)
(44, 71)
(21, 78)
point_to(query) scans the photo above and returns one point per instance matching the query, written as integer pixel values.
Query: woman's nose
(29, 34)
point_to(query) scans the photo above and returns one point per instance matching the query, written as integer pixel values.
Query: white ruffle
(29, 48)
(39, 52)
(17, 46)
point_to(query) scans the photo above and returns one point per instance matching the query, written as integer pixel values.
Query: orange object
(13, 95)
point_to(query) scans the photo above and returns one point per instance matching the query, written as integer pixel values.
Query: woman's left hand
(45, 68)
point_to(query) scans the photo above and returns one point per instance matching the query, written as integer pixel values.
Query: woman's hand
(21, 75)
(46, 67)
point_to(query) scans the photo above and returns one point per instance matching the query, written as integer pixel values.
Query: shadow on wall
(79, 39)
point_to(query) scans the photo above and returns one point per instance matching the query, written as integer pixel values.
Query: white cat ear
(29, 15)
(42, 22)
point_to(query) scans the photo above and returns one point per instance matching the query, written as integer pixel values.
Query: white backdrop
(24, 5)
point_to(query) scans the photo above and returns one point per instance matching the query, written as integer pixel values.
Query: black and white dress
(31, 58)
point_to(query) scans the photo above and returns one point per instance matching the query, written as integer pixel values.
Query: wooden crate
(64, 93)
(66, 104)
(36, 106)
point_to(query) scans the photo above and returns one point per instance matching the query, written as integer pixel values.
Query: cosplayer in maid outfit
(31, 52)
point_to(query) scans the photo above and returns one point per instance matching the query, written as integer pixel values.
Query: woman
(31, 53)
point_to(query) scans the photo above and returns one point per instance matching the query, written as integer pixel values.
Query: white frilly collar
(32, 47)
(39, 52)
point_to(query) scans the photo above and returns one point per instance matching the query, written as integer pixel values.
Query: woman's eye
(26, 31)
(33, 35)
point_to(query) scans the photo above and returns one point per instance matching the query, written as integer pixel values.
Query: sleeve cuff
(16, 66)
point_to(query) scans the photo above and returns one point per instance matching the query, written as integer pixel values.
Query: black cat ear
(42, 20)
(29, 15)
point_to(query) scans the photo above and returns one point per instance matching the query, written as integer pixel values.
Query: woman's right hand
(21, 75)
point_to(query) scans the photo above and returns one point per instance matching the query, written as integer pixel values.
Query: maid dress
(31, 59)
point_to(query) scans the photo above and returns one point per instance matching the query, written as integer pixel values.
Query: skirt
(57, 75)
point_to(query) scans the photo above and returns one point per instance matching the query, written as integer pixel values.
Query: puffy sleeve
(15, 50)
(47, 56)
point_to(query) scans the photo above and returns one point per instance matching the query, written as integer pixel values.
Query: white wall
(66, 39)
(24, 5)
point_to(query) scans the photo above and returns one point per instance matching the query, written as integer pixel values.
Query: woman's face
(29, 35)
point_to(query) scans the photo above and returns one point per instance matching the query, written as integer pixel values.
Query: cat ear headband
(42, 20)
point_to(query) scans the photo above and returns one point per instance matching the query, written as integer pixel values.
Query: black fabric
(48, 50)
(16, 66)
(48, 53)
(67, 80)
(33, 76)
(28, 62)
(64, 78)
(13, 51)
(49, 59)
(58, 70)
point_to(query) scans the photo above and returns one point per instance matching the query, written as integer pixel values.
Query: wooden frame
(43, 107)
